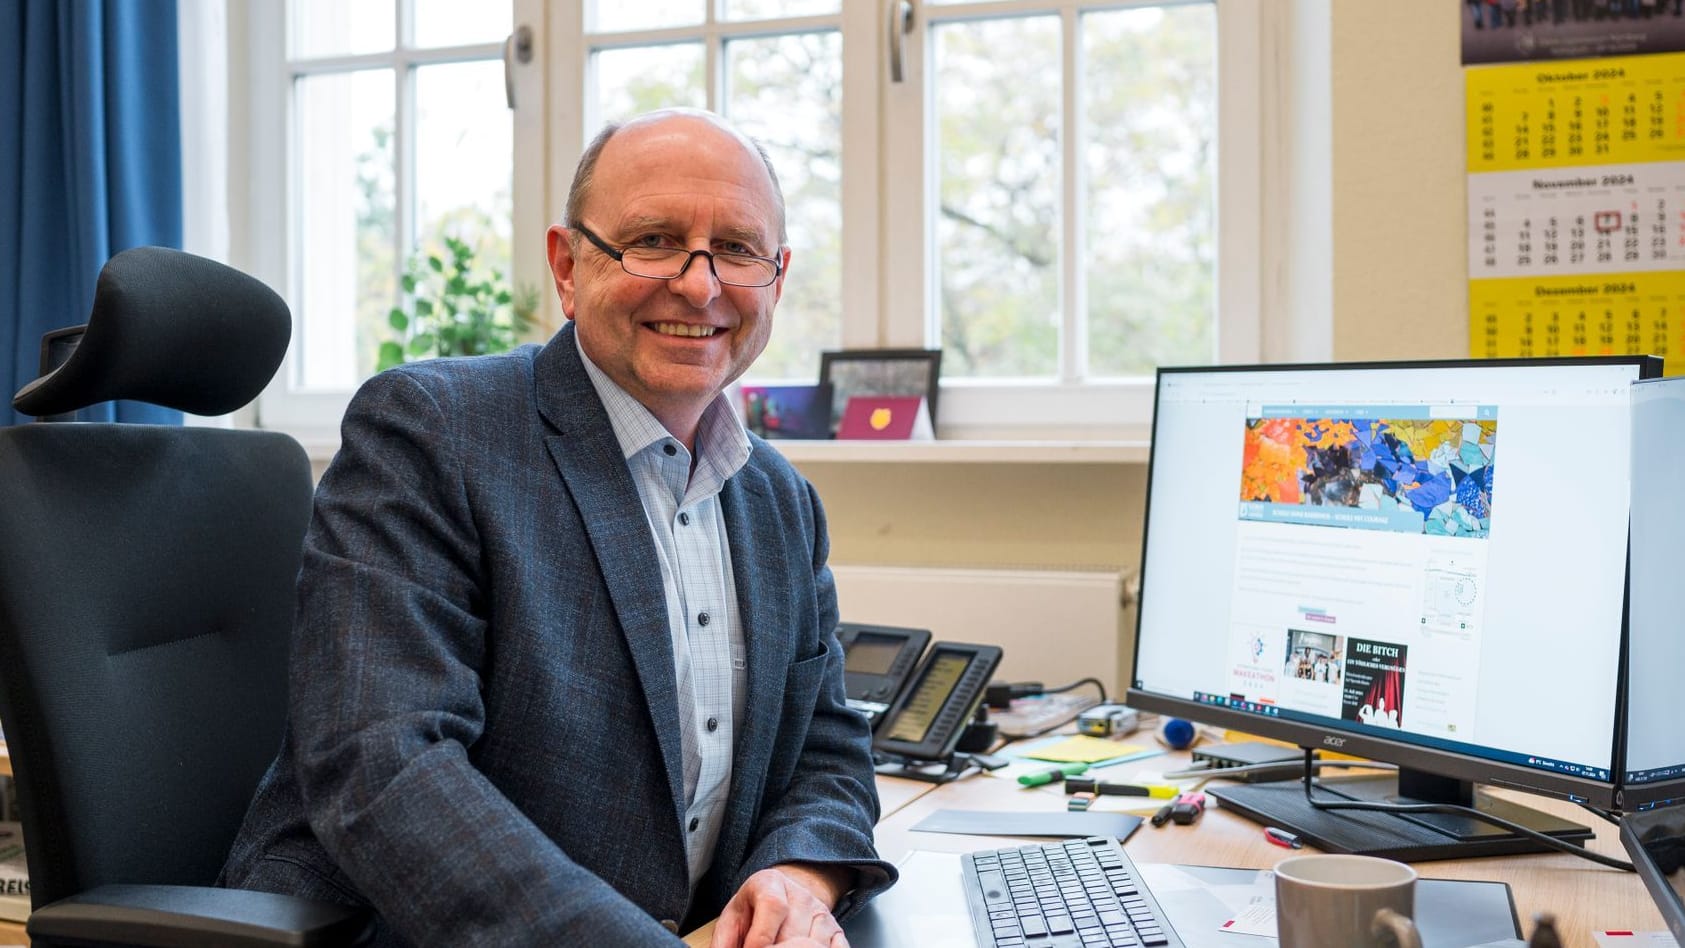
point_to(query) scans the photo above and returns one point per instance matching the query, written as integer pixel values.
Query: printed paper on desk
(886, 418)
(1257, 918)
(1614, 939)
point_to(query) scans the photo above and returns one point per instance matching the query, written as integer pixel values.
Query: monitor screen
(1655, 748)
(1418, 563)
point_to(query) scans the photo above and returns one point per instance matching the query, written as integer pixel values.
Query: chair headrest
(172, 329)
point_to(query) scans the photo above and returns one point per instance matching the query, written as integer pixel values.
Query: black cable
(1075, 684)
(1455, 810)
(1000, 694)
(1206, 772)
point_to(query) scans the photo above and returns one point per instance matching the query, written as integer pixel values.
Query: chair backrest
(147, 584)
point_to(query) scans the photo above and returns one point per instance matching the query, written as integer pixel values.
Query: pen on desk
(1110, 789)
(1163, 815)
(1282, 838)
(1051, 774)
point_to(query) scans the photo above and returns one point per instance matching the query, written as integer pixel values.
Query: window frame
(884, 248)
(272, 224)
(1068, 409)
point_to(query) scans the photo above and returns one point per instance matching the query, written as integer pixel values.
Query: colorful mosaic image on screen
(1440, 468)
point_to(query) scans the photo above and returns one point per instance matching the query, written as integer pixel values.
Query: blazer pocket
(802, 681)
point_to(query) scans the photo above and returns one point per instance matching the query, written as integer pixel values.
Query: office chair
(146, 599)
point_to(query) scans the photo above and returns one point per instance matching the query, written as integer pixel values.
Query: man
(565, 670)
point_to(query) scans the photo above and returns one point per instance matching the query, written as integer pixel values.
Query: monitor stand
(1410, 837)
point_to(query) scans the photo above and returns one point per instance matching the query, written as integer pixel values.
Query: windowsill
(964, 452)
(322, 448)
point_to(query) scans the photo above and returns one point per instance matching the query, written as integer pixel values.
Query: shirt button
(702, 619)
(684, 520)
(713, 725)
(669, 449)
(694, 823)
(670, 925)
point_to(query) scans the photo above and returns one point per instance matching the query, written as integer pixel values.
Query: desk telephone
(915, 713)
(877, 661)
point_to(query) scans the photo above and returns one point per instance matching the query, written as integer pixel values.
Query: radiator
(1054, 626)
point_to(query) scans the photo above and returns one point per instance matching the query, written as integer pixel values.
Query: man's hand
(789, 903)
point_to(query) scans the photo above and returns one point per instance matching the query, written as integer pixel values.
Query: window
(393, 134)
(776, 68)
(1070, 161)
(1076, 264)
(1038, 193)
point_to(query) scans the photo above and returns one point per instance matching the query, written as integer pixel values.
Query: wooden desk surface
(893, 794)
(10, 934)
(1584, 896)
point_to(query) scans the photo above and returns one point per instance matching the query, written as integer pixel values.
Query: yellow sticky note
(1084, 749)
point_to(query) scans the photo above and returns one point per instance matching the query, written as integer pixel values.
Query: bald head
(579, 194)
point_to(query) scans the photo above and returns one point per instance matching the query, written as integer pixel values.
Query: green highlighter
(1044, 777)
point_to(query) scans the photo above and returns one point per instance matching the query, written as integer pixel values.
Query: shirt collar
(722, 443)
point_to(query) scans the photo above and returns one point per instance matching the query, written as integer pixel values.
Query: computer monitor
(1419, 563)
(1654, 768)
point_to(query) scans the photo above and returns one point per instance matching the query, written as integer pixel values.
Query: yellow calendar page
(1603, 314)
(1560, 114)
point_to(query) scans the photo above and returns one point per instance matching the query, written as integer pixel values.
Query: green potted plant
(456, 309)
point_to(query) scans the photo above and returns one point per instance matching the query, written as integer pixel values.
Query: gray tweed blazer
(483, 739)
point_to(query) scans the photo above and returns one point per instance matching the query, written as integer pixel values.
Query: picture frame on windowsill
(880, 372)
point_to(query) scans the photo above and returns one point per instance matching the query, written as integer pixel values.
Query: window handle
(517, 48)
(900, 24)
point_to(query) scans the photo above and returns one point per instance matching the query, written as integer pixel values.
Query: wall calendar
(1576, 204)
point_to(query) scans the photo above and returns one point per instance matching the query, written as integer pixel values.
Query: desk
(894, 793)
(1584, 896)
(10, 934)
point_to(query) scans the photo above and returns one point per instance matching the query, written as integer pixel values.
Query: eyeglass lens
(667, 264)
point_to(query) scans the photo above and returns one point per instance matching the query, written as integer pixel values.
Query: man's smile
(683, 329)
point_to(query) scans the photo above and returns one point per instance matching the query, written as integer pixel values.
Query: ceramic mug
(1339, 901)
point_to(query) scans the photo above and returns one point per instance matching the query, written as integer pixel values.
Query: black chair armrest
(173, 916)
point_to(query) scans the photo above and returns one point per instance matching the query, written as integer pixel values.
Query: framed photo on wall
(881, 372)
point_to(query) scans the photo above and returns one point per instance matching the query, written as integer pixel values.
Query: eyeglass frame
(619, 256)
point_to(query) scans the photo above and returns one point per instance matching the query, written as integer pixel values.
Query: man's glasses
(669, 263)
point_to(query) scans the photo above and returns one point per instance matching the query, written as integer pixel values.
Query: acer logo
(1332, 741)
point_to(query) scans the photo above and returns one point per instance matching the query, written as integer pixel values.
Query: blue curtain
(90, 164)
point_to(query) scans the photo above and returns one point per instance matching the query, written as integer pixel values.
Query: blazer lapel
(592, 466)
(760, 566)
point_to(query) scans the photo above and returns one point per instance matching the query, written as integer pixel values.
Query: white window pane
(768, 9)
(786, 92)
(640, 78)
(997, 213)
(1150, 122)
(610, 16)
(341, 27)
(346, 243)
(464, 162)
(455, 23)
